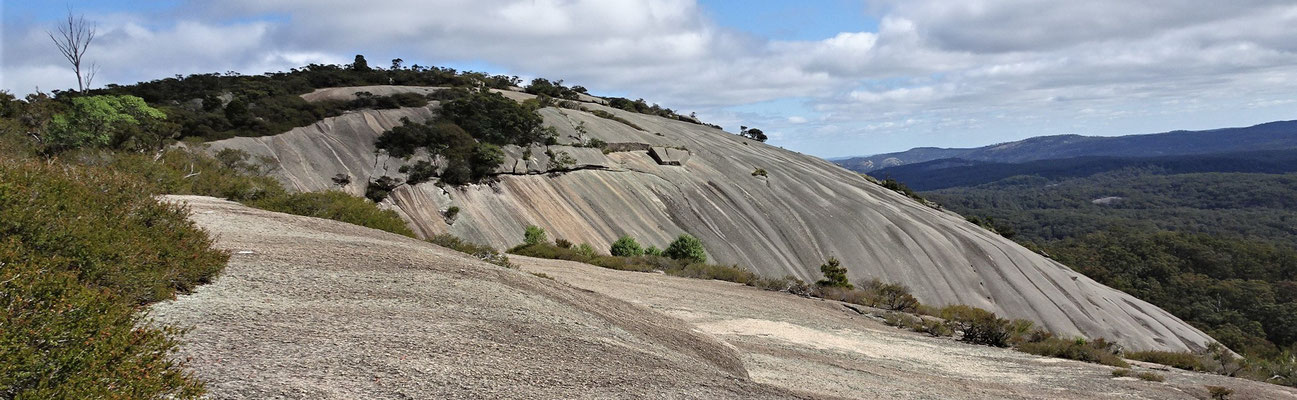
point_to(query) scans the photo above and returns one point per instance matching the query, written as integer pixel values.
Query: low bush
(788, 284)
(1181, 360)
(378, 189)
(1097, 351)
(687, 247)
(1122, 373)
(481, 252)
(586, 249)
(978, 326)
(563, 243)
(835, 275)
(1219, 392)
(760, 172)
(625, 246)
(1151, 377)
(337, 206)
(533, 234)
(81, 249)
(614, 117)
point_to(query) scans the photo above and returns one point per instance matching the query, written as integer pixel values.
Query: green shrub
(1097, 351)
(788, 284)
(481, 252)
(65, 339)
(451, 213)
(614, 117)
(978, 326)
(1151, 377)
(337, 206)
(728, 273)
(533, 234)
(1219, 392)
(835, 275)
(378, 189)
(625, 246)
(760, 172)
(81, 248)
(653, 251)
(118, 236)
(1181, 360)
(563, 243)
(1122, 372)
(687, 247)
(889, 296)
(934, 327)
(586, 249)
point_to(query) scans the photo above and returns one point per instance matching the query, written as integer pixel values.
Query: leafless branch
(73, 40)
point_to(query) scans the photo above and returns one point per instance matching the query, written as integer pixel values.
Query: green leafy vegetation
(686, 247)
(481, 252)
(752, 133)
(835, 275)
(1181, 360)
(534, 235)
(337, 206)
(83, 248)
(760, 172)
(625, 246)
(1215, 249)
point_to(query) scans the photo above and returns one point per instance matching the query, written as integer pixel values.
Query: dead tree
(73, 40)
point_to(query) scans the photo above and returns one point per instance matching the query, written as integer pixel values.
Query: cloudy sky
(826, 77)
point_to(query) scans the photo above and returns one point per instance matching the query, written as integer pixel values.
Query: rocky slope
(318, 309)
(788, 222)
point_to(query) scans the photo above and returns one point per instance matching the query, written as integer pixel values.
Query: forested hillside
(1217, 249)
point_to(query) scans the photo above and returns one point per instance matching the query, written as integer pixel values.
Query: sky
(830, 78)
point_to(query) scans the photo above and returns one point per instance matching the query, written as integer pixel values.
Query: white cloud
(1005, 67)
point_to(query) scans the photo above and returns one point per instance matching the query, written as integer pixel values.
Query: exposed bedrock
(788, 222)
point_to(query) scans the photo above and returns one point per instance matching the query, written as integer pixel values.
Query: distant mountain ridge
(956, 172)
(1268, 136)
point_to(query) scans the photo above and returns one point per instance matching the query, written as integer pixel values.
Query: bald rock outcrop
(663, 177)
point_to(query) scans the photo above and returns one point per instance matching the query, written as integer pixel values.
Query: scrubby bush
(1219, 392)
(625, 246)
(481, 252)
(788, 284)
(835, 275)
(1150, 376)
(586, 249)
(760, 172)
(563, 243)
(378, 189)
(1096, 351)
(890, 296)
(451, 213)
(1122, 372)
(653, 251)
(533, 234)
(978, 326)
(686, 247)
(80, 249)
(1181, 360)
(337, 206)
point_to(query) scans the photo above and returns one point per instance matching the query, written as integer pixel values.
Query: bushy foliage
(1181, 360)
(687, 247)
(653, 251)
(607, 115)
(533, 234)
(481, 252)
(81, 248)
(543, 87)
(108, 222)
(378, 189)
(492, 118)
(760, 172)
(1095, 351)
(752, 133)
(978, 326)
(337, 206)
(835, 275)
(625, 246)
(585, 249)
(126, 122)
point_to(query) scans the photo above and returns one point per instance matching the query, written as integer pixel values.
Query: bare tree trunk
(73, 40)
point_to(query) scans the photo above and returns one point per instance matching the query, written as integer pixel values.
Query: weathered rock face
(786, 223)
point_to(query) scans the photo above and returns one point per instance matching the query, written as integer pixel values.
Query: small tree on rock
(534, 235)
(626, 246)
(835, 275)
(687, 247)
